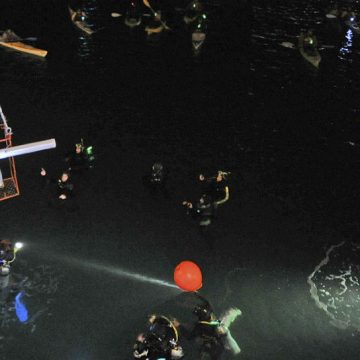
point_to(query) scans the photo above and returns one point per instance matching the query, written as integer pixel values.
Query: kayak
(132, 22)
(19, 46)
(155, 30)
(192, 11)
(80, 24)
(133, 15)
(197, 37)
(314, 58)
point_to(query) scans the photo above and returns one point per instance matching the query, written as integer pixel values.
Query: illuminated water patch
(335, 285)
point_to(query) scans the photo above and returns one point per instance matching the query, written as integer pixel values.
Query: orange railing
(11, 186)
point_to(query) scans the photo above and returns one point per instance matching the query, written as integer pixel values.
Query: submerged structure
(9, 186)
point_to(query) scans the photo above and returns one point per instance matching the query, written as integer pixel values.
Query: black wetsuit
(159, 341)
(156, 182)
(207, 337)
(78, 162)
(65, 188)
(213, 188)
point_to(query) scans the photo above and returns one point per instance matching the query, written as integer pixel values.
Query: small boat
(19, 46)
(197, 37)
(80, 24)
(154, 30)
(313, 58)
(156, 26)
(192, 11)
(133, 16)
(10, 40)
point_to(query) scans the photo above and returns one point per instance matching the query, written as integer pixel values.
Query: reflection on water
(25, 298)
(346, 49)
(335, 285)
(20, 308)
(86, 47)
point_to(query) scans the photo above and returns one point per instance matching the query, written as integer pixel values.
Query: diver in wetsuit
(207, 332)
(215, 186)
(203, 210)
(214, 193)
(64, 186)
(81, 158)
(159, 342)
(7, 256)
(156, 180)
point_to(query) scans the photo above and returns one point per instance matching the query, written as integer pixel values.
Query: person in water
(81, 158)
(160, 341)
(157, 179)
(64, 186)
(211, 334)
(9, 36)
(214, 186)
(7, 256)
(203, 210)
(310, 42)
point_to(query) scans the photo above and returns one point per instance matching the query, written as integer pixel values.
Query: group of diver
(77, 161)
(214, 191)
(163, 335)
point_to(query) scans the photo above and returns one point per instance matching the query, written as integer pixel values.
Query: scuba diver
(157, 179)
(81, 158)
(7, 255)
(213, 196)
(310, 42)
(210, 333)
(203, 210)
(215, 186)
(214, 193)
(160, 341)
(63, 185)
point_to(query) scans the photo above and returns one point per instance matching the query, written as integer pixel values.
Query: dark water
(288, 133)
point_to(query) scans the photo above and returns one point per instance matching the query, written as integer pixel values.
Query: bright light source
(18, 245)
(352, 18)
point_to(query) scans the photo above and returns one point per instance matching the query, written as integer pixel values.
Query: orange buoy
(187, 276)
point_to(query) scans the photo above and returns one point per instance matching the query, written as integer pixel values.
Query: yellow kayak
(157, 30)
(79, 24)
(19, 46)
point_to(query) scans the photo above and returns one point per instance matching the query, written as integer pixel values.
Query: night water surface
(284, 249)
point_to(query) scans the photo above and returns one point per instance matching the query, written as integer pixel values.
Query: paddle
(116, 15)
(147, 4)
(290, 45)
(331, 16)
(23, 39)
